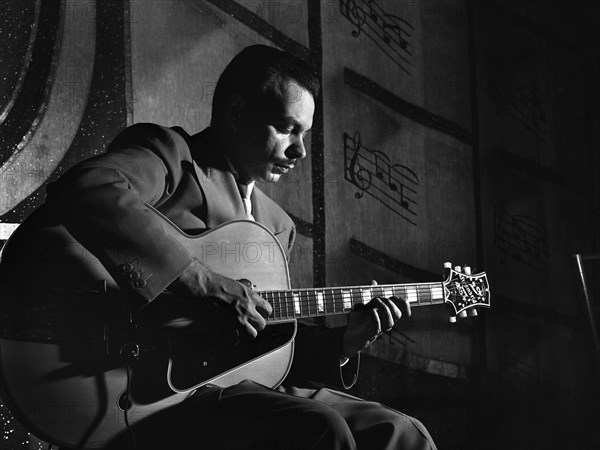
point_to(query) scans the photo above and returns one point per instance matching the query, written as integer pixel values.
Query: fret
(338, 300)
(269, 299)
(276, 299)
(280, 302)
(347, 299)
(425, 295)
(353, 296)
(276, 296)
(320, 302)
(357, 297)
(265, 295)
(375, 291)
(305, 303)
(290, 313)
(411, 294)
(437, 292)
(366, 295)
(400, 291)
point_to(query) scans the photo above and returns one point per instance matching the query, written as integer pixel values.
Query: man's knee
(407, 431)
(324, 428)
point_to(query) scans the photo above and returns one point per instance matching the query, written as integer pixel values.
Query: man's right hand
(249, 309)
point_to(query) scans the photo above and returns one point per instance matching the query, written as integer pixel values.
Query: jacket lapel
(221, 194)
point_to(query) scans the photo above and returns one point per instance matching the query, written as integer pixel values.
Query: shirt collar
(245, 189)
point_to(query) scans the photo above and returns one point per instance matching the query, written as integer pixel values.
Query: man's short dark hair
(257, 72)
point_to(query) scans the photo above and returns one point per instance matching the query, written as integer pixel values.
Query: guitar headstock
(464, 291)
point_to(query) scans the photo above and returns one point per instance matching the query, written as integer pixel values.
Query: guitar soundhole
(124, 403)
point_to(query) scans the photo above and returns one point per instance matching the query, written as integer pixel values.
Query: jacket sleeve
(103, 204)
(317, 353)
(317, 358)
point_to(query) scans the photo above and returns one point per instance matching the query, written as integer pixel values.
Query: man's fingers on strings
(263, 307)
(379, 314)
(403, 304)
(395, 312)
(385, 314)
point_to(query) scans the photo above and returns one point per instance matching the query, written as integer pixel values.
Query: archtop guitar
(79, 357)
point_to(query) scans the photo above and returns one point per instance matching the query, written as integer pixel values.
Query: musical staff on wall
(524, 103)
(371, 171)
(522, 238)
(389, 32)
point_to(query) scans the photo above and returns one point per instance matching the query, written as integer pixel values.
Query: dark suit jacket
(103, 203)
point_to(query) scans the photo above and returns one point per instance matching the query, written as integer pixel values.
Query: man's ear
(235, 108)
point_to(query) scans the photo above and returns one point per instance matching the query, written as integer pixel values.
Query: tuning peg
(467, 270)
(452, 319)
(447, 265)
(462, 314)
(458, 269)
(472, 312)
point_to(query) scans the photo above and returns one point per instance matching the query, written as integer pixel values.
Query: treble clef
(355, 14)
(359, 176)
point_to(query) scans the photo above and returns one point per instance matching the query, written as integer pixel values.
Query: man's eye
(286, 130)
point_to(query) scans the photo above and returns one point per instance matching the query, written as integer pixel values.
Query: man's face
(270, 138)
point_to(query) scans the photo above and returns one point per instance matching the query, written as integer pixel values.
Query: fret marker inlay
(366, 296)
(296, 304)
(320, 302)
(411, 294)
(347, 299)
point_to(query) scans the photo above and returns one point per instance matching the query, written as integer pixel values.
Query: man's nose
(296, 150)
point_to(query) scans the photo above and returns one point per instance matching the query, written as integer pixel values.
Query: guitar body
(68, 334)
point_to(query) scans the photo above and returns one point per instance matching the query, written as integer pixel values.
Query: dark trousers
(249, 416)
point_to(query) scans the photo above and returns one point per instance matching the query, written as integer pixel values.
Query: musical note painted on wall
(390, 33)
(525, 103)
(371, 171)
(522, 238)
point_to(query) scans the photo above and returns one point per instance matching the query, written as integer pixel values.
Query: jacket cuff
(317, 358)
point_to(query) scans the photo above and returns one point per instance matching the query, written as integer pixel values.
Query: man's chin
(271, 178)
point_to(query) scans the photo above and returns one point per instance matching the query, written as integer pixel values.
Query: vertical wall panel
(399, 168)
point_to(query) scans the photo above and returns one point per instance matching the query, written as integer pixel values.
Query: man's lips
(285, 166)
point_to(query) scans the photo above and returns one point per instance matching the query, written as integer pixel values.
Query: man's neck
(237, 174)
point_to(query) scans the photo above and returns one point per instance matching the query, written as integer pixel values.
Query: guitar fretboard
(304, 303)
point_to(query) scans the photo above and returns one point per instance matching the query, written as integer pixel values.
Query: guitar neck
(317, 302)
